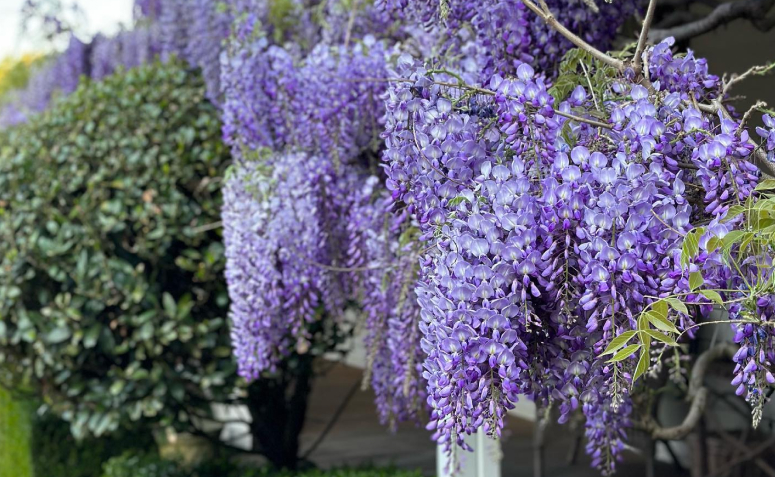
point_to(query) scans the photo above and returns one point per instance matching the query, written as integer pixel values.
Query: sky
(101, 16)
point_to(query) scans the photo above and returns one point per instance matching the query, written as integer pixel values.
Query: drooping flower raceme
(548, 237)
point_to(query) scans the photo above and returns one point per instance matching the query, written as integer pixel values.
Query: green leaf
(695, 280)
(661, 337)
(660, 308)
(691, 245)
(457, 201)
(643, 365)
(117, 387)
(733, 212)
(146, 332)
(618, 342)
(677, 305)
(713, 244)
(91, 336)
(660, 322)
(712, 296)
(170, 307)
(767, 184)
(625, 353)
(58, 335)
(733, 237)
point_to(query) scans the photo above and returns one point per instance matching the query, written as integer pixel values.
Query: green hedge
(56, 453)
(149, 465)
(112, 296)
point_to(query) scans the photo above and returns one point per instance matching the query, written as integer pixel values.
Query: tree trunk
(278, 407)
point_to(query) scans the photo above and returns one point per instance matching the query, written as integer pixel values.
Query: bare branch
(583, 120)
(757, 105)
(350, 23)
(746, 456)
(698, 394)
(207, 227)
(592, 5)
(761, 463)
(544, 13)
(758, 70)
(675, 18)
(644, 35)
(753, 10)
(722, 351)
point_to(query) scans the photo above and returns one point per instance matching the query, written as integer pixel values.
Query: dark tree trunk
(278, 407)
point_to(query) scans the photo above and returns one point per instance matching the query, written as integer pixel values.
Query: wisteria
(509, 217)
(58, 76)
(164, 28)
(548, 237)
(508, 34)
(542, 233)
(387, 259)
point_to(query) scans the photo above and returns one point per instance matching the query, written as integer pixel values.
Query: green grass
(15, 433)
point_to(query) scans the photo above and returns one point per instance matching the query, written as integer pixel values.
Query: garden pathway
(357, 438)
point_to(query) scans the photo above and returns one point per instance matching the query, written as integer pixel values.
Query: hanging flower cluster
(308, 124)
(548, 236)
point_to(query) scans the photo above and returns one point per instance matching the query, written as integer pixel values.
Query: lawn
(15, 433)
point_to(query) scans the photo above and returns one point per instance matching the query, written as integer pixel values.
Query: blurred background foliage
(15, 73)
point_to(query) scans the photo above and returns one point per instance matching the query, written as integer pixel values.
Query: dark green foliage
(140, 465)
(573, 72)
(56, 453)
(112, 301)
(368, 472)
(148, 465)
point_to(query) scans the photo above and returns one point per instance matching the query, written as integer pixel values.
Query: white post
(484, 461)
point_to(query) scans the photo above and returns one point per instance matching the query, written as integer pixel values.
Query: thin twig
(589, 82)
(749, 455)
(207, 227)
(548, 17)
(757, 70)
(350, 23)
(583, 120)
(644, 34)
(747, 115)
(351, 269)
(761, 463)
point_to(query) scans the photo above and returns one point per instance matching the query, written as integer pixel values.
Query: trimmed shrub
(112, 300)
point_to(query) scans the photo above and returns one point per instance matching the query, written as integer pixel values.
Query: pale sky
(101, 16)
